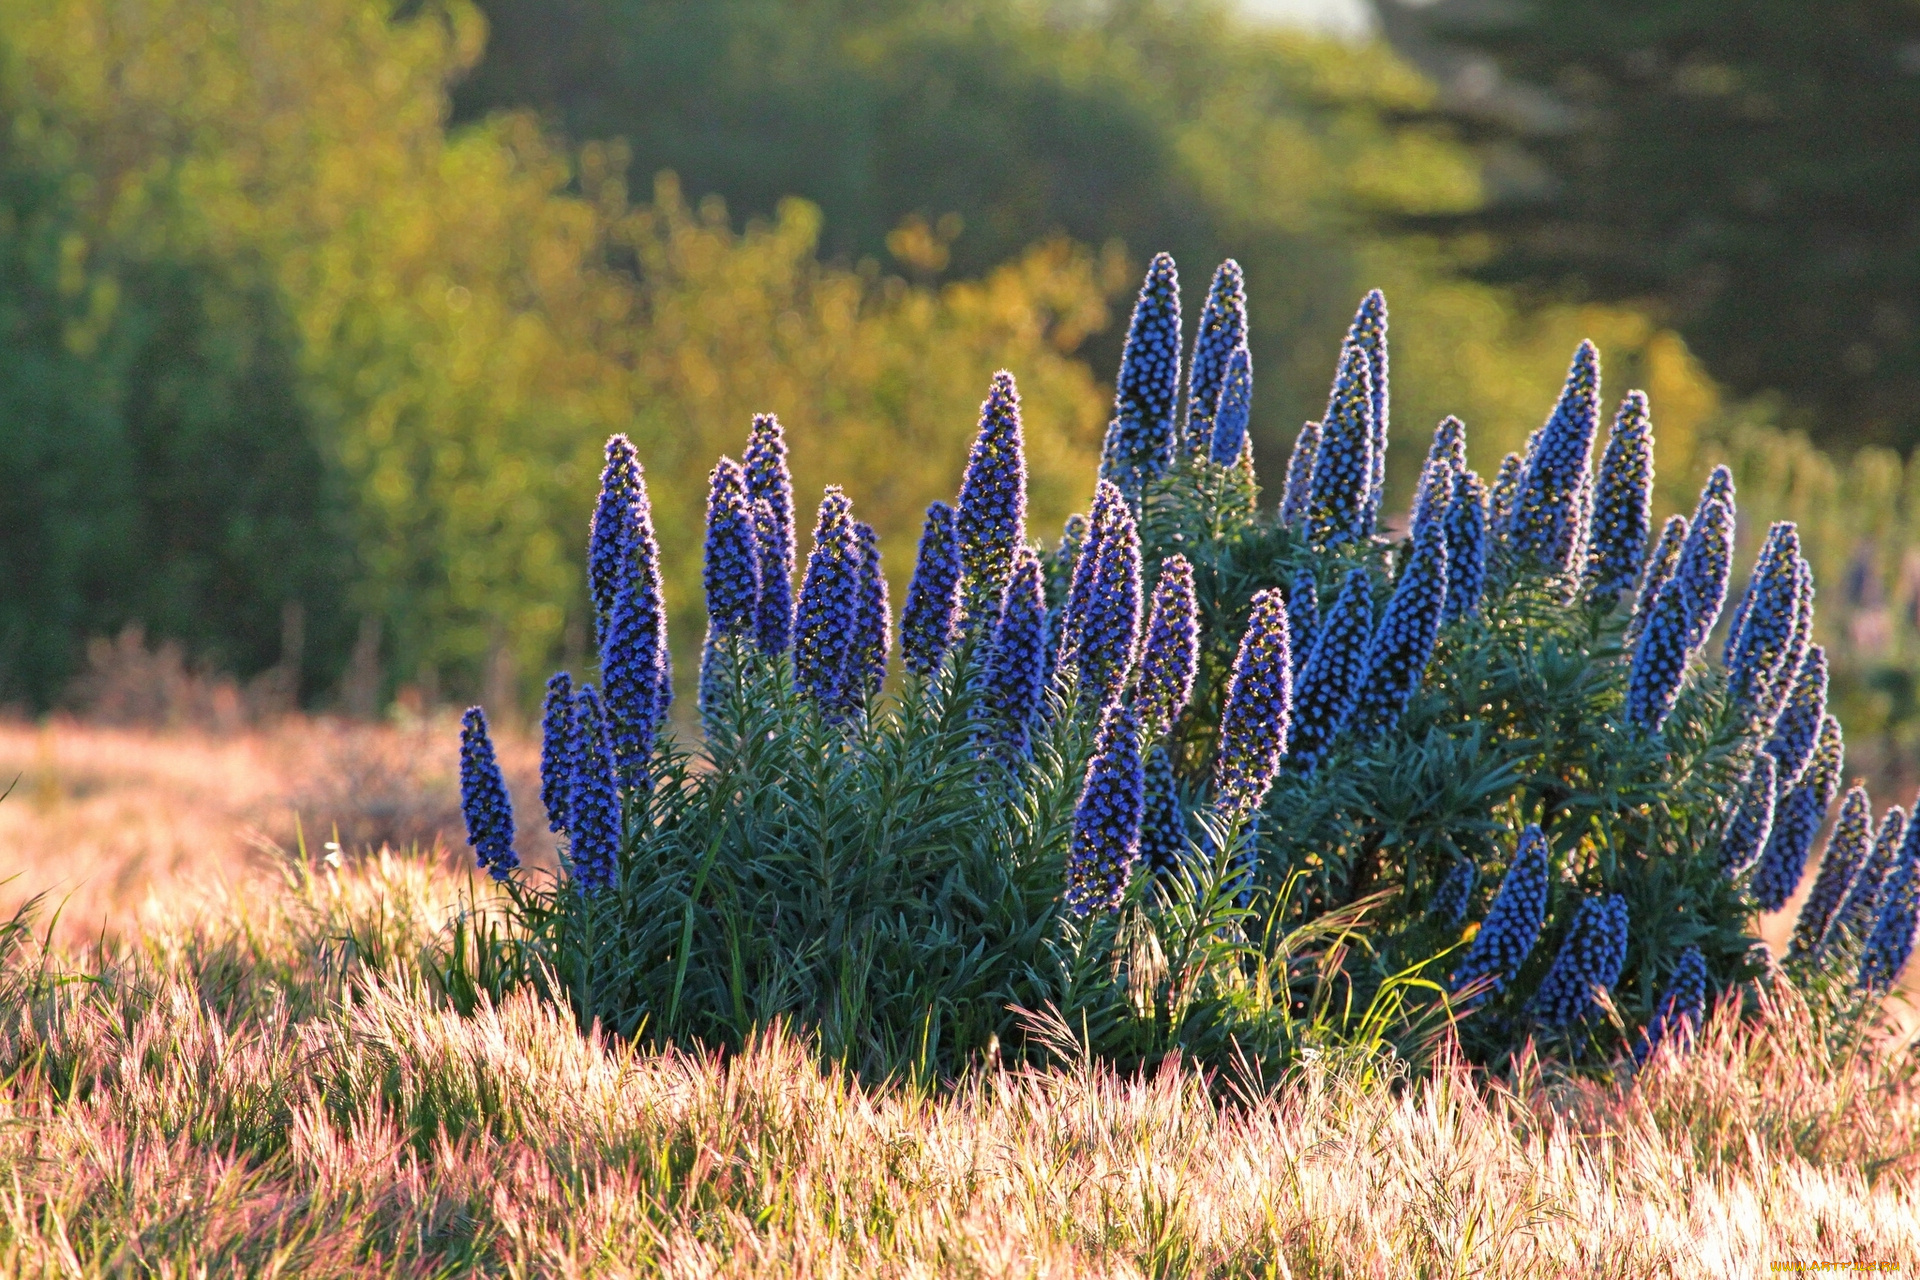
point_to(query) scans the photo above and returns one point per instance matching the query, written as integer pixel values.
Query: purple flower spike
(1014, 673)
(866, 669)
(992, 518)
(1682, 1010)
(1801, 811)
(1172, 649)
(1661, 563)
(1236, 409)
(927, 626)
(1223, 330)
(1623, 501)
(1545, 525)
(1341, 498)
(1750, 823)
(1466, 547)
(1588, 963)
(1109, 634)
(829, 604)
(1890, 942)
(1329, 683)
(1519, 911)
(770, 482)
(1259, 707)
(1398, 653)
(1303, 618)
(1847, 848)
(483, 798)
(731, 572)
(556, 737)
(1298, 496)
(593, 803)
(1368, 334)
(1106, 822)
(1861, 906)
(623, 569)
(1139, 444)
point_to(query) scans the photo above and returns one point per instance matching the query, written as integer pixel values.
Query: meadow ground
(229, 1061)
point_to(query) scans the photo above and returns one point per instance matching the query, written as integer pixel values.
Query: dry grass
(242, 1092)
(251, 1075)
(113, 823)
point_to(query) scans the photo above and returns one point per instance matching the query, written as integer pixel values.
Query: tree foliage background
(333, 303)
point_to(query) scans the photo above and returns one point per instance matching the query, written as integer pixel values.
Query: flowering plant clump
(1216, 775)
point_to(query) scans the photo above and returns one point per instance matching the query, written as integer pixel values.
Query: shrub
(1533, 805)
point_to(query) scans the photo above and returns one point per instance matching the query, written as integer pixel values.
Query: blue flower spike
(1140, 438)
(992, 506)
(927, 628)
(769, 481)
(483, 798)
(1172, 649)
(1106, 823)
(1512, 926)
(1259, 706)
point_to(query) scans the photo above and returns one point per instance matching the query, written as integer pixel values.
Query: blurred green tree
(1747, 170)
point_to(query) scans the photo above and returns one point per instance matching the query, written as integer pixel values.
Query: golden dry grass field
(231, 1062)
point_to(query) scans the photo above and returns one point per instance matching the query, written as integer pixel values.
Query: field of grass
(229, 1061)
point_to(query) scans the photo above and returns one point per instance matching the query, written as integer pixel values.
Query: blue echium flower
(1108, 640)
(1109, 507)
(829, 604)
(1761, 637)
(1236, 409)
(770, 482)
(927, 625)
(1519, 911)
(1368, 334)
(593, 803)
(1259, 705)
(1172, 649)
(1163, 824)
(556, 736)
(1846, 849)
(1660, 656)
(1059, 584)
(1454, 894)
(1140, 438)
(1659, 571)
(1797, 732)
(731, 570)
(1329, 682)
(1446, 459)
(1544, 524)
(1706, 557)
(1303, 617)
(483, 798)
(1402, 645)
(1682, 1010)
(1861, 906)
(1466, 530)
(866, 667)
(1750, 821)
(1503, 494)
(1890, 941)
(1801, 811)
(1339, 498)
(1623, 501)
(1014, 673)
(623, 571)
(1222, 331)
(992, 507)
(1106, 821)
(1298, 494)
(1587, 964)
